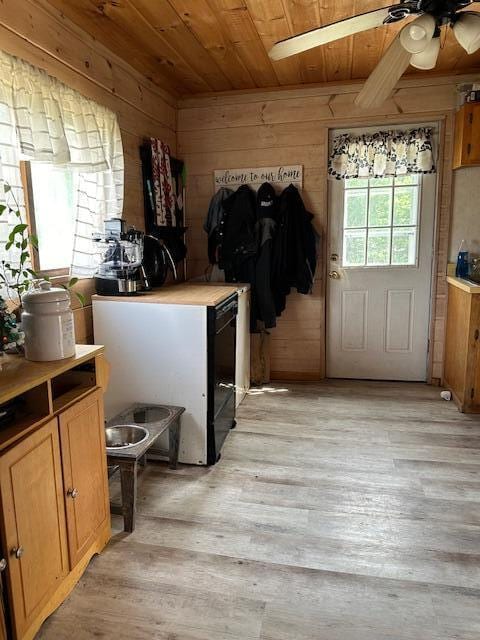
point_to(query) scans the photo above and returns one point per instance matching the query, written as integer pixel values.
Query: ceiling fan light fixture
(417, 32)
(427, 59)
(416, 36)
(467, 31)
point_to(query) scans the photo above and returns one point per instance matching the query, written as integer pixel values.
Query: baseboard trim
(297, 376)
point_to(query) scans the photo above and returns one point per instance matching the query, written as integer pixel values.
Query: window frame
(418, 185)
(27, 183)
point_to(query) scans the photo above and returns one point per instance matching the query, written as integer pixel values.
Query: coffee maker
(120, 271)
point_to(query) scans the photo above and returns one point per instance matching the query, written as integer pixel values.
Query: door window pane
(354, 241)
(356, 208)
(381, 182)
(404, 246)
(380, 208)
(381, 221)
(405, 206)
(355, 183)
(412, 178)
(378, 247)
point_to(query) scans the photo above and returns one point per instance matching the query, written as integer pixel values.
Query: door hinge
(428, 345)
(476, 334)
(470, 118)
(469, 149)
(472, 393)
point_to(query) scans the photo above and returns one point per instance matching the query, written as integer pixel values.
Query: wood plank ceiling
(200, 46)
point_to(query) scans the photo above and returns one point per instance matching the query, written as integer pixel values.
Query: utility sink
(123, 436)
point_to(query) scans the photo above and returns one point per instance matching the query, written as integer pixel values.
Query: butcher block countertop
(187, 293)
(465, 285)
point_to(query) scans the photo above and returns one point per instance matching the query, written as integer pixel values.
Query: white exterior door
(380, 254)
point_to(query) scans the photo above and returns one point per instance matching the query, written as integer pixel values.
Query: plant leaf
(72, 282)
(80, 297)
(19, 228)
(6, 187)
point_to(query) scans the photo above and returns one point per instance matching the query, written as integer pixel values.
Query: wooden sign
(279, 177)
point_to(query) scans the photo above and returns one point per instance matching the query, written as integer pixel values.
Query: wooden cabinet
(54, 512)
(34, 529)
(462, 345)
(82, 436)
(467, 136)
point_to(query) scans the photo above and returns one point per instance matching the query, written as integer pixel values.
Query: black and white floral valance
(384, 153)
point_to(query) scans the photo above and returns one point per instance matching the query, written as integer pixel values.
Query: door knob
(334, 257)
(72, 493)
(3, 564)
(334, 275)
(17, 552)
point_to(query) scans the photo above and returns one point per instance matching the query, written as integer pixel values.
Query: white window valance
(384, 153)
(44, 120)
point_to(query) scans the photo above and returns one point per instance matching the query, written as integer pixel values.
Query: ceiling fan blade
(328, 33)
(381, 82)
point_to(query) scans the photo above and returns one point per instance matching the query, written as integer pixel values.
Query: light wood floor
(339, 511)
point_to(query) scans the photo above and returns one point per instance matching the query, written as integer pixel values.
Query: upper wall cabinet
(467, 136)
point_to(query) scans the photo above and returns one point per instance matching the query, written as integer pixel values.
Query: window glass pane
(405, 206)
(380, 208)
(381, 182)
(404, 246)
(412, 178)
(354, 241)
(378, 247)
(355, 183)
(54, 192)
(356, 208)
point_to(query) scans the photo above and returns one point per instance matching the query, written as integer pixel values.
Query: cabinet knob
(72, 493)
(17, 552)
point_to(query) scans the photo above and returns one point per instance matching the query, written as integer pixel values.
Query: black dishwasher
(221, 329)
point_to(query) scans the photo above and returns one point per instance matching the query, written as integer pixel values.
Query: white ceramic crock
(47, 321)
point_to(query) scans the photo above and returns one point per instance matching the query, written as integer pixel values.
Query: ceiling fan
(417, 44)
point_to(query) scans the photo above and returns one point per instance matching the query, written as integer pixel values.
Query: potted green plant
(11, 337)
(18, 276)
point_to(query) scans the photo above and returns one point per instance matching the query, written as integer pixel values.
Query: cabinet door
(82, 438)
(33, 513)
(467, 135)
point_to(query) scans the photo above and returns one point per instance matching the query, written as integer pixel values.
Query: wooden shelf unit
(52, 454)
(462, 348)
(61, 383)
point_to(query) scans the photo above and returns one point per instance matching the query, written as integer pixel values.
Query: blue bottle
(461, 270)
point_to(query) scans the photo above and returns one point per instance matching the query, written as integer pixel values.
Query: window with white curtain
(76, 169)
(52, 213)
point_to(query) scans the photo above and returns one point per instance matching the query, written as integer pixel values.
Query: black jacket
(238, 242)
(213, 221)
(294, 254)
(266, 225)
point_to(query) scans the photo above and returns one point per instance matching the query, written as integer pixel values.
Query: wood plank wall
(36, 32)
(269, 128)
(231, 130)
